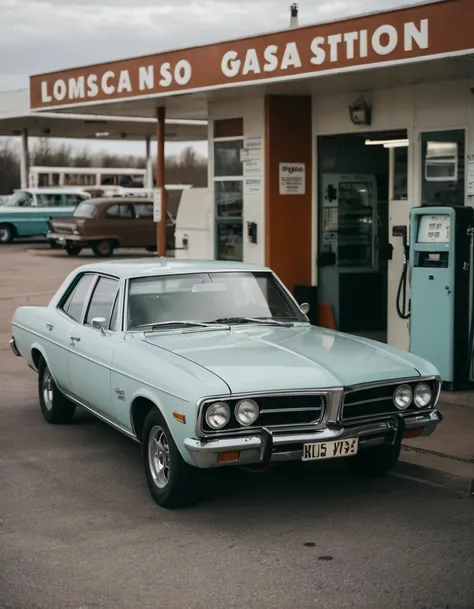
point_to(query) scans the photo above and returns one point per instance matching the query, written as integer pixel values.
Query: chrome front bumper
(266, 447)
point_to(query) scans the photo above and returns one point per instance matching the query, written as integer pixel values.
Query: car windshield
(224, 297)
(84, 210)
(20, 198)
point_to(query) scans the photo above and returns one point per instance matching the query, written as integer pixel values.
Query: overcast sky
(45, 35)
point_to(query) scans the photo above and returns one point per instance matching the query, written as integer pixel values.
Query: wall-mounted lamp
(361, 112)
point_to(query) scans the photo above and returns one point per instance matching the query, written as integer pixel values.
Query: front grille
(377, 402)
(275, 411)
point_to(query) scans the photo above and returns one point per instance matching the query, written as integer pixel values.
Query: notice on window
(470, 175)
(253, 168)
(157, 200)
(253, 143)
(292, 178)
(253, 186)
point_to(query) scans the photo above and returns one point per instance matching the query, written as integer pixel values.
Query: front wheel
(376, 461)
(6, 233)
(73, 250)
(104, 248)
(172, 482)
(56, 409)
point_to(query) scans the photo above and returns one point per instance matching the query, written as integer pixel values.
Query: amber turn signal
(228, 457)
(179, 417)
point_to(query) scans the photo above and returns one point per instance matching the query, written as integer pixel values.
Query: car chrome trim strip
(100, 416)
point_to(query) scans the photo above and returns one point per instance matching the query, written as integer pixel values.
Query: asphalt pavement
(78, 529)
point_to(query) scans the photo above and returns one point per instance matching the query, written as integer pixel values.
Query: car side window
(74, 303)
(144, 210)
(122, 211)
(49, 200)
(72, 200)
(102, 300)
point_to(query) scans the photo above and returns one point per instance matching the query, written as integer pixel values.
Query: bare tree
(188, 168)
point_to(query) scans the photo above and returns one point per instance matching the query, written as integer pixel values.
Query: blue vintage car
(26, 213)
(214, 364)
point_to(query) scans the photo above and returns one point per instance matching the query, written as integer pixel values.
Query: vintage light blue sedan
(214, 364)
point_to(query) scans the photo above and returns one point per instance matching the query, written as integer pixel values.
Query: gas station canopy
(409, 45)
(15, 118)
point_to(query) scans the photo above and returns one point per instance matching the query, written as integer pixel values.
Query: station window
(443, 167)
(228, 188)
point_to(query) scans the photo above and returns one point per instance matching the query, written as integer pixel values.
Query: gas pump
(440, 253)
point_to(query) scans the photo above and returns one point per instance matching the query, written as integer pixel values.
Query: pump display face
(434, 229)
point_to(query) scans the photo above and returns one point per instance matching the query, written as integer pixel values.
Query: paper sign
(157, 199)
(253, 186)
(248, 155)
(253, 168)
(253, 143)
(470, 175)
(292, 178)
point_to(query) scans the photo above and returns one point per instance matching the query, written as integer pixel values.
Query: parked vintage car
(214, 364)
(107, 223)
(26, 213)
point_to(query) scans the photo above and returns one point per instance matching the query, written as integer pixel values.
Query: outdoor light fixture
(360, 112)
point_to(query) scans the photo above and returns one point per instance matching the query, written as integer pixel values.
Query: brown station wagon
(106, 224)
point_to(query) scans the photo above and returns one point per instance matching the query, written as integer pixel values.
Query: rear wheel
(56, 409)
(103, 248)
(6, 233)
(376, 461)
(73, 250)
(172, 482)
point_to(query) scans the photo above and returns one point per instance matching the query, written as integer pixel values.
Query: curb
(435, 470)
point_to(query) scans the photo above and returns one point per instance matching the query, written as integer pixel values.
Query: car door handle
(74, 339)
(49, 326)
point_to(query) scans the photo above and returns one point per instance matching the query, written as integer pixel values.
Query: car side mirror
(304, 308)
(99, 323)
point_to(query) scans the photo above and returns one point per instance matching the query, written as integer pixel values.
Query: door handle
(74, 339)
(49, 326)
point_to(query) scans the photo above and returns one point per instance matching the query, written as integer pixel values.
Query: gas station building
(321, 140)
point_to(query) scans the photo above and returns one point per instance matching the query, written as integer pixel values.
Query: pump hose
(402, 295)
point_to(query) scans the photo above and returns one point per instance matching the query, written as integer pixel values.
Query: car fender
(179, 431)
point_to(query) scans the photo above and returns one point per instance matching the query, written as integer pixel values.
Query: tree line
(187, 168)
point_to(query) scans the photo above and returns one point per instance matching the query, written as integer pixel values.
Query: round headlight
(422, 395)
(246, 412)
(402, 397)
(218, 415)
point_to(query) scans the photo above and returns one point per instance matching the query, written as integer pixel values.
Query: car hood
(276, 358)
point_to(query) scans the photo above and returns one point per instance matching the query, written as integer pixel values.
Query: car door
(92, 349)
(48, 206)
(118, 221)
(62, 323)
(144, 228)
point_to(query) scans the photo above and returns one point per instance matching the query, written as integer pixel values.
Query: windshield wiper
(253, 320)
(164, 324)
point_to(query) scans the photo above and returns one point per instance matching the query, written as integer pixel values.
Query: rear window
(84, 210)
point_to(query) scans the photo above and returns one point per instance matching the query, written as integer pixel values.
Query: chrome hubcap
(48, 389)
(159, 456)
(104, 247)
(4, 235)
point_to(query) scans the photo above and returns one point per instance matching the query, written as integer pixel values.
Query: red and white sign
(292, 178)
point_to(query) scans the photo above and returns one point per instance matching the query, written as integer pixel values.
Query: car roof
(101, 201)
(53, 190)
(146, 267)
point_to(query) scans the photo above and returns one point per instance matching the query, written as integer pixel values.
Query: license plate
(330, 450)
